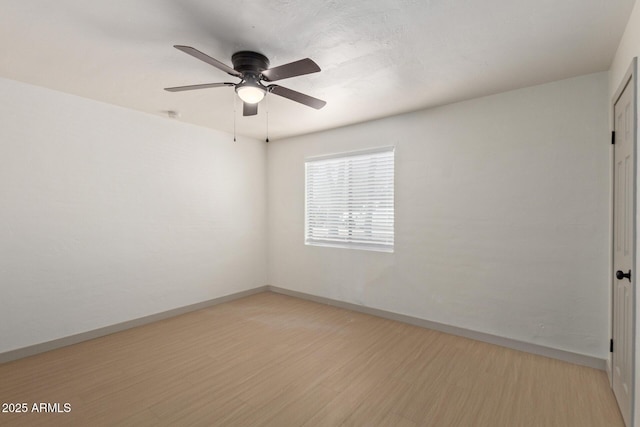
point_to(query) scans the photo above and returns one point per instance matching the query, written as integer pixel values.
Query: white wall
(628, 49)
(108, 215)
(502, 216)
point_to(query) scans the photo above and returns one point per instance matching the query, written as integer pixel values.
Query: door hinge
(611, 345)
(613, 137)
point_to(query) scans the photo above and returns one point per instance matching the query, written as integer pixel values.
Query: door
(623, 250)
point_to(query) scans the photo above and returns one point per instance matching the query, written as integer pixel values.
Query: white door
(623, 246)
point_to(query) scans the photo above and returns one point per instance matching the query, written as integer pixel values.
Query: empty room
(288, 213)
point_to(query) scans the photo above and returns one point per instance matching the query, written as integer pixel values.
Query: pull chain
(267, 140)
(234, 117)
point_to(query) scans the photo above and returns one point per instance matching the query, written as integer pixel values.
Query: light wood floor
(274, 360)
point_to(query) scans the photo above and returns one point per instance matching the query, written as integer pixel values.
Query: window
(349, 200)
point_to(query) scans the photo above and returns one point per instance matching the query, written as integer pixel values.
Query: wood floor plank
(274, 360)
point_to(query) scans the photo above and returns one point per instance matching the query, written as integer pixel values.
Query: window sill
(371, 248)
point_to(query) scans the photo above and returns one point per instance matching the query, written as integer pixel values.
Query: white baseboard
(563, 355)
(107, 330)
(567, 356)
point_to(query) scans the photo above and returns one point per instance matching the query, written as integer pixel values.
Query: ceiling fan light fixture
(249, 93)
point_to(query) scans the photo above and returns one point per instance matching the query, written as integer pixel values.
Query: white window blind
(349, 200)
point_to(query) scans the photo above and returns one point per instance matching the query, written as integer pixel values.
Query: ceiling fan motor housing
(249, 62)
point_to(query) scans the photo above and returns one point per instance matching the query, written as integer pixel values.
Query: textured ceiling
(378, 58)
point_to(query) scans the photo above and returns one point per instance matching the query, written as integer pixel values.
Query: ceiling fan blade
(249, 109)
(192, 87)
(292, 69)
(297, 96)
(209, 60)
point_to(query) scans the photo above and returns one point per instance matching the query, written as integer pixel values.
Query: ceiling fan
(252, 69)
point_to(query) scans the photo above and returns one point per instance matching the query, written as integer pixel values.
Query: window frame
(376, 247)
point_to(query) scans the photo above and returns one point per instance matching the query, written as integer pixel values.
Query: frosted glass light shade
(250, 94)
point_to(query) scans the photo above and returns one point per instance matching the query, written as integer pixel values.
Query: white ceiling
(378, 58)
